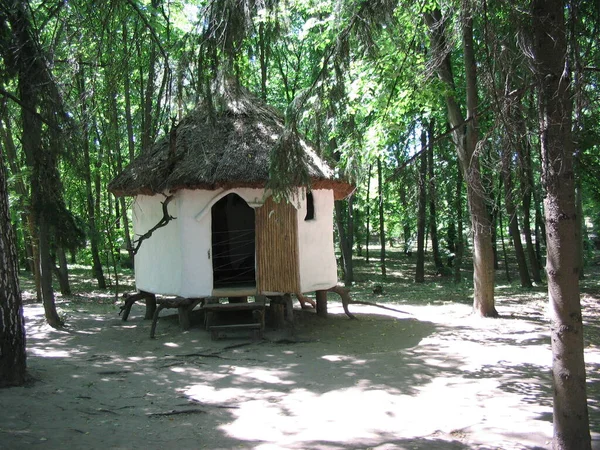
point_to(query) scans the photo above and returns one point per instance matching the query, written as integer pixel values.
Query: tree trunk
(460, 243)
(89, 196)
(466, 142)
(507, 271)
(46, 265)
(421, 217)
(511, 210)
(495, 200)
(381, 217)
(435, 247)
(571, 423)
(527, 187)
(368, 217)
(345, 246)
(63, 272)
(27, 224)
(12, 326)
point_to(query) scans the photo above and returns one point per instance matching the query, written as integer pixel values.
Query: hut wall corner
(160, 256)
(318, 266)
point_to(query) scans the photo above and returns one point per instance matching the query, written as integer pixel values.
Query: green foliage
(355, 78)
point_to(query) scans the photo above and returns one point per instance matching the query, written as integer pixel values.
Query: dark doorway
(233, 243)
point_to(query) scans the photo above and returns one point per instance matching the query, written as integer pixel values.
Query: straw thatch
(230, 145)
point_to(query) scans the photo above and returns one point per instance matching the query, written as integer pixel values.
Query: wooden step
(256, 329)
(225, 307)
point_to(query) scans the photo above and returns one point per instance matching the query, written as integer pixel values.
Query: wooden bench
(227, 310)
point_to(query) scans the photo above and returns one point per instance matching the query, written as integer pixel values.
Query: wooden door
(277, 248)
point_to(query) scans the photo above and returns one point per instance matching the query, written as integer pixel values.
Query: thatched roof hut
(230, 237)
(228, 146)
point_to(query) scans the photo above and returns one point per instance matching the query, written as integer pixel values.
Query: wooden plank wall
(277, 259)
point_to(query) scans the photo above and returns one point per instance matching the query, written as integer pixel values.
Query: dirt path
(436, 379)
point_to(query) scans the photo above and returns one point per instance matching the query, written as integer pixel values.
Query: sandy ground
(436, 378)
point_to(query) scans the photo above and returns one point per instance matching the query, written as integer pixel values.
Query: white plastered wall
(175, 260)
(318, 266)
(158, 261)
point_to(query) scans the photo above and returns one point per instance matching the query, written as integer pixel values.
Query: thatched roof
(231, 147)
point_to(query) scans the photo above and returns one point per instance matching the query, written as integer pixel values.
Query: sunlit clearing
(264, 375)
(338, 358)
(50, 352)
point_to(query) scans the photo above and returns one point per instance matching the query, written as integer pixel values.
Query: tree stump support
(130, 299)
(344, 294)
(321, 303)
(184, 308)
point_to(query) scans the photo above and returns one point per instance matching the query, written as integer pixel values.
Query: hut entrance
(233, 243)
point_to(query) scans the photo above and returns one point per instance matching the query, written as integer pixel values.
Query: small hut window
(310, 207)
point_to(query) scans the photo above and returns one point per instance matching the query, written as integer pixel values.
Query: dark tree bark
(62, 272)
(32, 78)
(421, 215)
(12, 326)
(89, 193)
(527, 186)
(27, 224)
(505, 254)
(345, 243)
(368, 217)
(511, 210)
(466, 138)
(381, 217)
(431, 194)
(127, 96)
(571, 422)
(460, 243)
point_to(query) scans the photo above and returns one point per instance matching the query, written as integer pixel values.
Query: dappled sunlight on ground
(430, 377)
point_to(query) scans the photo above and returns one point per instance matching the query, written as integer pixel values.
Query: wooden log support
(184, 308)
(289, 309)
(344, 293)
(321, 303)
(282, 311)
(130, 299)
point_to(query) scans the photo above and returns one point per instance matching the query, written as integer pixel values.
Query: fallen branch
(176, 412)
(344, 293)
(360, 302)
(165, 219)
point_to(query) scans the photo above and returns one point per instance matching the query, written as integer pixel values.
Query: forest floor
(430, 377)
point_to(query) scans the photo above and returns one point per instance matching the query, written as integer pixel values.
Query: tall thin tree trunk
(381, 217)
(368, 217)
(466, 143)
(89, 196)
(63, 272)
(571, 421)
(345, 246)
(511, 210)
(526, 177)
(506, 269)
(13, 363)
(421, 215)
(127, 95)
(435, 247)
(460, 243)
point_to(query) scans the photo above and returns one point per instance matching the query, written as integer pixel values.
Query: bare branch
(165, 219)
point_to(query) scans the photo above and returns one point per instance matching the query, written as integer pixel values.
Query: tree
(466, 138)
(12, 326)
(551, 70)
(421, 217)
